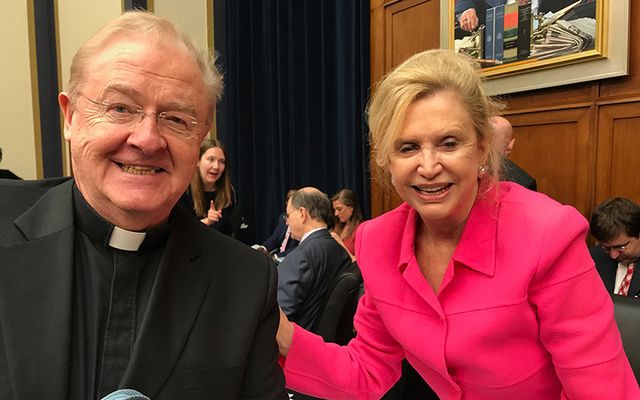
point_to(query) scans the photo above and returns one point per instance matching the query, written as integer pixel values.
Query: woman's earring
(482, 170)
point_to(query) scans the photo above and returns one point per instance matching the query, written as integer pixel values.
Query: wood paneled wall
(581, 142)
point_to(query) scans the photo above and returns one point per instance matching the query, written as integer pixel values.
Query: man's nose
(614, 254)
(146, 135)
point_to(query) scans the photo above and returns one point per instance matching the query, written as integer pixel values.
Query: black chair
(335, 323)
(336, 319)
(627, 314)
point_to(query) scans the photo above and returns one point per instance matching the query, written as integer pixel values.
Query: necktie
(283, 246)
(626, 281)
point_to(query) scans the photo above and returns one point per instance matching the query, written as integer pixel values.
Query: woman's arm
(365, 369)
(575, 313)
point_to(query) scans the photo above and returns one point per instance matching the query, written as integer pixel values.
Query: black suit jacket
(513, 173)
(607, 269)
(7, 174)
(306, 274)
(208, 331)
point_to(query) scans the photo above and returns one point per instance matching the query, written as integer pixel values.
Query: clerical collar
(101, 231)
(123, 239)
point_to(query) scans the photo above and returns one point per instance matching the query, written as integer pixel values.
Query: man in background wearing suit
(308, 272)
(280, 243)
(503, 143)
(104, 284)
(615, 224)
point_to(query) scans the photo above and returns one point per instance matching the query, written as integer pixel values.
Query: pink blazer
(521, 312)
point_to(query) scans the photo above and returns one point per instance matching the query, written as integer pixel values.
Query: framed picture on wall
(531, 44)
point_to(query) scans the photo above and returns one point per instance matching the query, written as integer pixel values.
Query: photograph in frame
(541, 36)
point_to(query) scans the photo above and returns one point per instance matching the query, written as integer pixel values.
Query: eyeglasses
(620, 248)
(130, 115)
(287, 215)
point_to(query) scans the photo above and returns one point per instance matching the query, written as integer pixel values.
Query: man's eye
(176, 120)
(119, 108)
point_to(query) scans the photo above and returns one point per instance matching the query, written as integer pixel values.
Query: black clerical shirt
(96, 368)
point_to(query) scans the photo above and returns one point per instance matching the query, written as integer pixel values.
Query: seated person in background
(5, 173)
(503, 142)
(615, 224)
(280, 243)
(348, 217)
(307, 273)
(211, 196)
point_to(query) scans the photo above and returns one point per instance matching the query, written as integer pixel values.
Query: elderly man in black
(104, 284)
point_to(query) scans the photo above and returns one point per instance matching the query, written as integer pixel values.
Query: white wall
(190, 15)
(17, 137)
(77, 21)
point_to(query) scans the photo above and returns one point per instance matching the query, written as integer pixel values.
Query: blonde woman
(486, 288)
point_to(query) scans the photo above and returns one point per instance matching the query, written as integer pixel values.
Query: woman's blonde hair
(423, 75)
(224, 189)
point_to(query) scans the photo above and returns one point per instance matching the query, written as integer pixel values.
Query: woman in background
(211, 196)
(348, 217)
(486, 288)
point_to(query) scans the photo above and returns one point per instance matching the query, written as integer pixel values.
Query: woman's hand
(213, 215)
(284, 334)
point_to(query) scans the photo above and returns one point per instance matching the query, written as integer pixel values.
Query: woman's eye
(406, 148)
(449, 143)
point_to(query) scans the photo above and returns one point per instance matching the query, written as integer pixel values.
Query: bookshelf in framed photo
(532, 44)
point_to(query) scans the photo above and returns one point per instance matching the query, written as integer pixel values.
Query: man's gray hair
(138, 23)
(315, 202)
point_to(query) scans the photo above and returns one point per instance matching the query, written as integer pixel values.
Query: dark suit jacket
(6, 174)
(208, 331)
(607, 268)
(480, 6)
(513, 173)
(275, 240)
(306, 274)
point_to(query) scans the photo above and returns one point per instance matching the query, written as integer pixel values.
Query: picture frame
(607, 57)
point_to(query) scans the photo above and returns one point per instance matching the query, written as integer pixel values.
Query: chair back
(627, 314)
(335, 323)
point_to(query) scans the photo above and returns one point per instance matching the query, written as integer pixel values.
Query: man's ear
(510, 146)
(66, 106)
